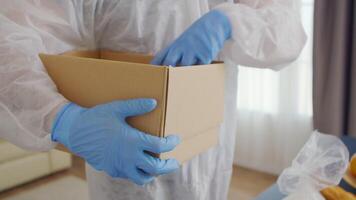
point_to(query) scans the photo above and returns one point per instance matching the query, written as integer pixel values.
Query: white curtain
(275, 109)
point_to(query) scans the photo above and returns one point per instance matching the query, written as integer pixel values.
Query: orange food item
(353, 165)
(337, 193)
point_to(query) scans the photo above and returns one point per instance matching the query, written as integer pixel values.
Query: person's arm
(29, 99)
(27, 94)
(265, 33)
(257, 33)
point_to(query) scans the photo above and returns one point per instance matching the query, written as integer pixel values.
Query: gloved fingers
(203, 61)
(140, 178)
(159, 57)
(155, 166)
(133, 107)
(204, 57)
(157, 144)
(172, 59)
(188, 59)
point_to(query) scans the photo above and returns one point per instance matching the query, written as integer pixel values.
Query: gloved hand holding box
(190, 100)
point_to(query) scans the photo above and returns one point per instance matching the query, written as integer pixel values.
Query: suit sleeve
(28, 97)
(265, 33)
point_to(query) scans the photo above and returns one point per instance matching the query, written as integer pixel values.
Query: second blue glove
(199, 44)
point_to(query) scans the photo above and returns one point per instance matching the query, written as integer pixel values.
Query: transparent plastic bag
(321, 163)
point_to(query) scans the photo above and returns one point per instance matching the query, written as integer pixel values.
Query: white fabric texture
(275, 109)
(321, 163)
(260, 32)
(28, 96)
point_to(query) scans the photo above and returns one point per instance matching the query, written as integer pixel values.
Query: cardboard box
(189, 99)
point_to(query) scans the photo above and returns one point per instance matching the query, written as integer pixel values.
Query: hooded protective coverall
(265, 34)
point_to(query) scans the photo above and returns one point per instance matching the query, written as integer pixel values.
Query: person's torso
(149, 26)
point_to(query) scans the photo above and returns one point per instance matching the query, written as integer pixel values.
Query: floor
(245, 183)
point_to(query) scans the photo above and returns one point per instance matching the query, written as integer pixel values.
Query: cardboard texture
(189, 99)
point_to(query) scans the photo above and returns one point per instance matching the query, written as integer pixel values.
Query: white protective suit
(265, 33)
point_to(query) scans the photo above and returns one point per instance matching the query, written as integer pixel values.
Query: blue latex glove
(199, 44)
(102, 137)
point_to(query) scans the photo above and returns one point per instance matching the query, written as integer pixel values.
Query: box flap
(83, 81)
(198, 88)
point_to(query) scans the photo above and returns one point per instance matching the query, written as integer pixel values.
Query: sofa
(18, 166)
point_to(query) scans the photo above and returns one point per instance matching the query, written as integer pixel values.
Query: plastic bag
(321, 163)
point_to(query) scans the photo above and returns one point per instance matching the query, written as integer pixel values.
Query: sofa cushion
(23, 170)
(9, 152)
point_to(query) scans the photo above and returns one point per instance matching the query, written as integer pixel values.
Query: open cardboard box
(189, 99)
